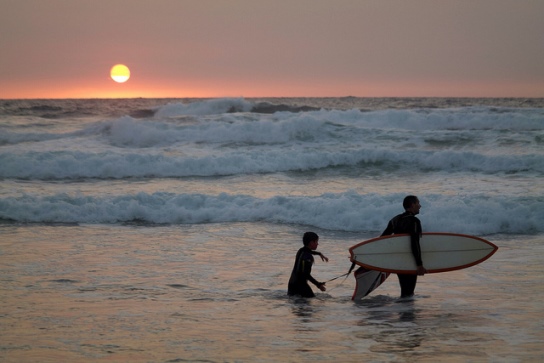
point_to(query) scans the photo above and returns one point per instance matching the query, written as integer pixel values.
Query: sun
(120, 73)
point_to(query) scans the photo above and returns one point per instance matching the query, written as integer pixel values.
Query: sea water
(165, 230)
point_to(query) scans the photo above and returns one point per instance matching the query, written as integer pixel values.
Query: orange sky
(248, 48)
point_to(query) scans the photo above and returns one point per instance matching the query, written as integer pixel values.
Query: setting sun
(120, 73)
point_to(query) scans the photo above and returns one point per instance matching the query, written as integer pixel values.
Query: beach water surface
(218, 293)
(165, 230)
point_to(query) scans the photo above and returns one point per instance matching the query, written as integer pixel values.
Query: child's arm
(323, 257)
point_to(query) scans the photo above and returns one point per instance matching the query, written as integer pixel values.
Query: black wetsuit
(302, 273)
(407, 223)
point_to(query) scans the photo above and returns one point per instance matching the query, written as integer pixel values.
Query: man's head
(411, 204)
(309, 239)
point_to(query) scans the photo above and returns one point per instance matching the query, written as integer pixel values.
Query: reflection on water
(302, 309)
(392, 324)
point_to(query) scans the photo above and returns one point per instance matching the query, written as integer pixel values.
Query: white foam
(223, 137)
(348, 211)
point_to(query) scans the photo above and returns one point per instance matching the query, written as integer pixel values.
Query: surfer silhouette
(408, 223)
(302, 269)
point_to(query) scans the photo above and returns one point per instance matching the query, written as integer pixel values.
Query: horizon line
(292, 97)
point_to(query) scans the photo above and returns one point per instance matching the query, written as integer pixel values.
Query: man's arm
(416, 248)
(415, 235)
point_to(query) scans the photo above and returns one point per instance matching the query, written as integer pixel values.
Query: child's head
(309, 237)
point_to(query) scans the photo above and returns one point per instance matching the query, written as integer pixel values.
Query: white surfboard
(440, 252)
(367, 281)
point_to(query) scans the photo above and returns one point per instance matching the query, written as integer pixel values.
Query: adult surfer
(408, 223)
(302, 270)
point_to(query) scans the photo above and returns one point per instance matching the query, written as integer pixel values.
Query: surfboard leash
(337, 277)
(346, 274)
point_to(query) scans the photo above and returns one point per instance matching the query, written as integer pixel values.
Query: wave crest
(349, 211)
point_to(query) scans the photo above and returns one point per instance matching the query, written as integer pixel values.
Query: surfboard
(440, 252)
(367, 281)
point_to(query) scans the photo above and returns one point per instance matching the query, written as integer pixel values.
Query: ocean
(165, 230)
